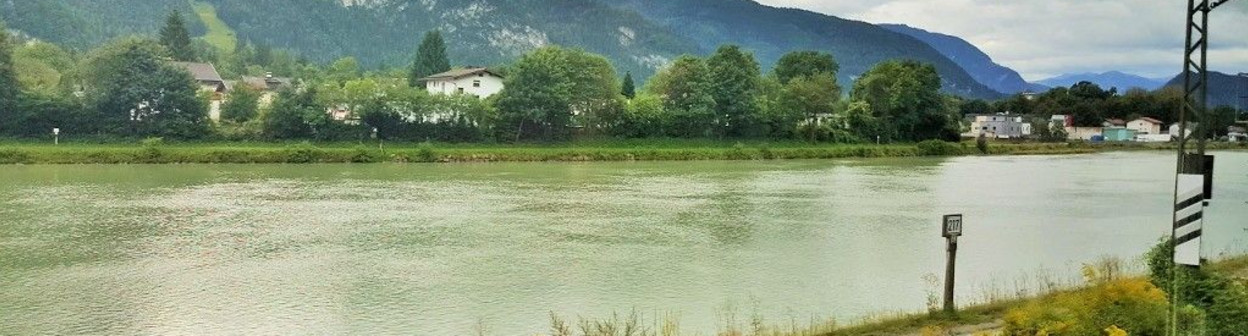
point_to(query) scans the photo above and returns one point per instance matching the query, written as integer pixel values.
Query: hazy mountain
(977, 63)
(1224, 89)
(637, 35)
(771, 32)
(1122, 81)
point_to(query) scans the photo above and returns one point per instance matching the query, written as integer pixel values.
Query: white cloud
(1047, 38)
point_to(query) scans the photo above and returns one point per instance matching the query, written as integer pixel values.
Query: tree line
(127, 88)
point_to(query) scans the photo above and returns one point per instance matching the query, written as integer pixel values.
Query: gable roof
(203, 72)
(1151, 120)
(461, 73)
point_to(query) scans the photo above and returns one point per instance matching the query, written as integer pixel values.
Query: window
(461, 90)
(476, 83)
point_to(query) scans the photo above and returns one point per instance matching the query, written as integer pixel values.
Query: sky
(1046, 38)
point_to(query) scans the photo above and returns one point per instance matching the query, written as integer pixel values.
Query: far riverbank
(155, 152)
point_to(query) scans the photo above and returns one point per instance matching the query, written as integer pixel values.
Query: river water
(453, 248)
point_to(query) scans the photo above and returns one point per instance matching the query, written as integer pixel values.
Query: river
(448, 249)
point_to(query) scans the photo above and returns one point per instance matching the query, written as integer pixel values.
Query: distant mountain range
(1122, 81)
(638, 36)
(972, 59)
(1224, 89)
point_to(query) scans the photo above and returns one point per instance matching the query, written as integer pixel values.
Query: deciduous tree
(804, 64)
(734, 76)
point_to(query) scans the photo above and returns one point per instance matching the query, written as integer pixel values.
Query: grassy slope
(219, 34)
(988, 313)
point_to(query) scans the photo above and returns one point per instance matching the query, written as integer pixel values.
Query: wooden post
(951, 229)
(949, 274)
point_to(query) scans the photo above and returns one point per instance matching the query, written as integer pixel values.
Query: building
(1118, 134)
(1084, 133)
(1145, 125)
(480, 82)
(1002, 126)
(1191, 128)
(1062, 120)
(1237, 134)
(209, 80)
(1114, 123)
(268, 86)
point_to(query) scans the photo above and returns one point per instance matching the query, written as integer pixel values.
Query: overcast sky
(1045, 38)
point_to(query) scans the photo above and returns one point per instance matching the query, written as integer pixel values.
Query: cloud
(1046, 38)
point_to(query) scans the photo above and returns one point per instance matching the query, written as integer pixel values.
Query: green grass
(604, 150)
(219, 34)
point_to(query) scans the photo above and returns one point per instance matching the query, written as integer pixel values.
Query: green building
(1118, 134)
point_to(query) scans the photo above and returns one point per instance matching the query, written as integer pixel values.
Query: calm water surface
(442, 249)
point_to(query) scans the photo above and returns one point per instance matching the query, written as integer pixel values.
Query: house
(1145, 125)
(1237, 134)
(1114, 123)
(1002, 126)
(1084, 133)
(268, 86)
(480, 82)
(209, 80)
(1118, 134)
(1191, 128)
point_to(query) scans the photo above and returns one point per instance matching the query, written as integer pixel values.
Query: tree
(546, 87)
(175, 37)
(975, 107)
(905, 97)
(814, 99)
(431, 58)
(287, 118)
(9, 87)
(804, 64)
(685, 87)
(242, 105)
(628, 87)
(135, 93)
(734, 76)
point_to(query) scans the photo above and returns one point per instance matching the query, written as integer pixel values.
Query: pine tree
(9, 89)
(430, 58)
(176, 38)
(629, 89)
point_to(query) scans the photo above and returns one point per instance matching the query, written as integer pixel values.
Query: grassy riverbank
(154, 152)
(1105, 286)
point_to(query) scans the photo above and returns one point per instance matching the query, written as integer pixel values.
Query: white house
(1145, 125)
(1003, 126)
(209, 81)
(1191, 128)
(480, 82)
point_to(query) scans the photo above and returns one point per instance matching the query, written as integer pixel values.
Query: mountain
(1224, 89)
(636, 35)
(1122, 81)
(771, 32)
(478, 32)
(977, 63)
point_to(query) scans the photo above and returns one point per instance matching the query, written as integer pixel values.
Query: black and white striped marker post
(1189, 218)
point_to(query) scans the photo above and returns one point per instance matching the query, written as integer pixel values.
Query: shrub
(426, 153)
(303, 153)
(937, 148)
(1132, 305)
(981, 143)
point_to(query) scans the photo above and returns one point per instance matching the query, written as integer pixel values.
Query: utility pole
(1194, 172)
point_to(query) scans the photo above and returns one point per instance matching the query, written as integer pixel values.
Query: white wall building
(999, 126)
(1145, 125)
(480, 82)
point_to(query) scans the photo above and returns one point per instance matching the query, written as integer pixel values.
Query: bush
(303, 153)
(981, 143)
(937, 148)
(1134, 306)
(1222, 302)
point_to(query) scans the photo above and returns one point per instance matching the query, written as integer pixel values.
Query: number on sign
(952, 226)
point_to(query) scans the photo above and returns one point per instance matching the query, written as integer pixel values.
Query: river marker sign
(1189, 215)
